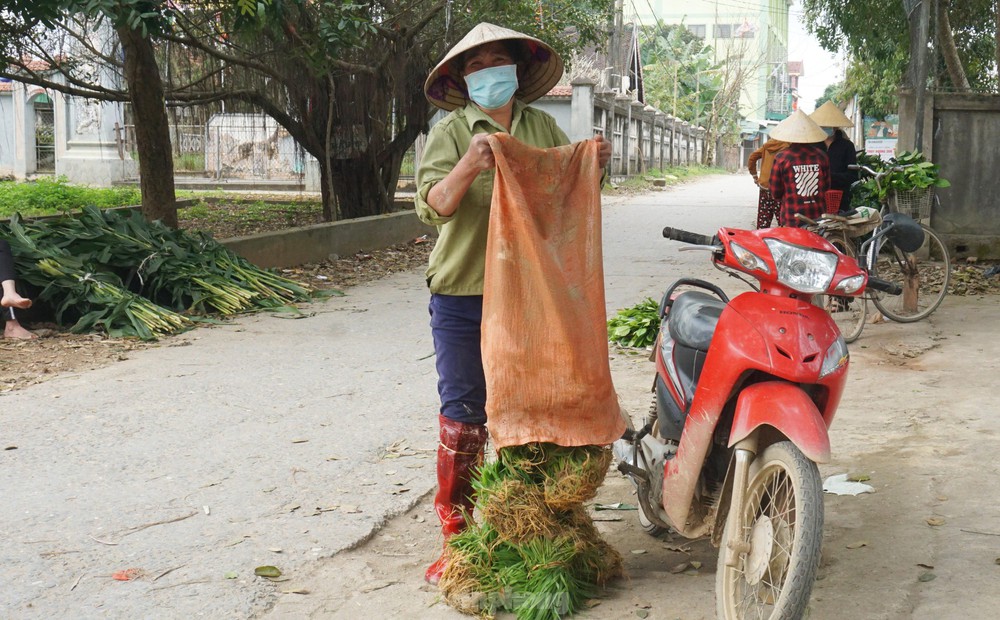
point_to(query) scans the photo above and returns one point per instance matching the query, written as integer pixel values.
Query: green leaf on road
(271, 572)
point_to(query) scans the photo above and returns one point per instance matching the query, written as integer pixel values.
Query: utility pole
(918, 13)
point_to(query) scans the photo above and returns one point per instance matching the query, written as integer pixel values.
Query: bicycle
(850, 314)
(923, 274)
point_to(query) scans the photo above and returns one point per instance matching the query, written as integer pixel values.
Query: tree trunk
(996, 31)
(360, 188)
(948, 50)
(152, 131)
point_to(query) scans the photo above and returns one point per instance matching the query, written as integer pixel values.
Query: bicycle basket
(833, 197)
(915, 202)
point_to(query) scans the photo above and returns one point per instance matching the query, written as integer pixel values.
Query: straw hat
(798, 128)
(829, 115)
(445, 86)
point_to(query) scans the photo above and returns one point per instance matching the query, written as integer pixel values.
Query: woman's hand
(604, 150)
(447, 193)
(479, 157)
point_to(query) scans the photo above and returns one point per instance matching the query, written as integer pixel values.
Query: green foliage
(679, 73)
(636, 326)
(80, 262)
(875, 37)
(915, 173)
(47, 196)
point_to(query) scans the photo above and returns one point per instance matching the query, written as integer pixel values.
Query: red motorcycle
(744, 393)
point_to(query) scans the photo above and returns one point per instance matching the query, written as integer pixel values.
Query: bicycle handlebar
(884, 285)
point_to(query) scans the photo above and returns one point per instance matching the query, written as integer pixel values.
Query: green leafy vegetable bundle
(115, 271)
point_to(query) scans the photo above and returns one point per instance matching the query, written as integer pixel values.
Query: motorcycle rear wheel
(783, 532)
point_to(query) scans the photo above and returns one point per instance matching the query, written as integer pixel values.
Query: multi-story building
(751, 33)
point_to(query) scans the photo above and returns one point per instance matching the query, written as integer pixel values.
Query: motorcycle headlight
(850, 285)
(748, 259)
(802, 269)
(836, 356)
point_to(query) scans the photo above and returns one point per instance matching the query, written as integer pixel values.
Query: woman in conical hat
(839, 149)
(486, 81)
(800, 174)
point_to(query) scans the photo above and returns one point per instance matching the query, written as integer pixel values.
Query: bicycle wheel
(849, 313)
(923, 275)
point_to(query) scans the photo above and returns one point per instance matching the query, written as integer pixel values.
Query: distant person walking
(839, 149)
(767, 206)
(800, 175)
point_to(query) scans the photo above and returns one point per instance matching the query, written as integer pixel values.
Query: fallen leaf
(128, 574)
(296, 591)
(858, 477)
(231, 575)
(271, 572)
(927, 566)
(350, 509)
(638, 551)
(927, 577)
(680, 568)
(695, 564)
(274, 549)
(590, 603)
(615, 506)
(935, 521)
(678, 548)
(642, 613)
(300, 441)
(857, 545)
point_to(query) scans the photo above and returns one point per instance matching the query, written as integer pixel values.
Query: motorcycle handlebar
(687, 237)
(884, 285)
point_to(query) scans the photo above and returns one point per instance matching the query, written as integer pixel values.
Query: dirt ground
(924, 545)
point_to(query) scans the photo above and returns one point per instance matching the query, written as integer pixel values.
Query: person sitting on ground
(11, 298)
(800, 175)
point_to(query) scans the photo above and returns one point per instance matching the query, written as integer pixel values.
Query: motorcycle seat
(693, 317)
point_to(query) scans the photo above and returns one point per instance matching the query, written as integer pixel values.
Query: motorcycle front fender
(785, 407)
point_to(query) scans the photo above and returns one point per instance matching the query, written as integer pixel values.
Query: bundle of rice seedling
(535, 551)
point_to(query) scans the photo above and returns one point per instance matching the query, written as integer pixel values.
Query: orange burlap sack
(545, 338)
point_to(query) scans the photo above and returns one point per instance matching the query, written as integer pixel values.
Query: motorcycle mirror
(906, 233)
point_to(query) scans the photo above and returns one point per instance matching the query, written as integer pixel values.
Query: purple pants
(455, 327)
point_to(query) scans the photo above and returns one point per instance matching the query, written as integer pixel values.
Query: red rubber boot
(460, 450)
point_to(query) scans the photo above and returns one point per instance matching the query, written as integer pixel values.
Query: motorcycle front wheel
(767, 569)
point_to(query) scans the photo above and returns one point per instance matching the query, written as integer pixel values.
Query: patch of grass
(669, 176)
(48, 196)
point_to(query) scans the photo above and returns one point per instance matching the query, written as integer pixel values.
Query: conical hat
(798, 128)
(829, 115)
(445, 86)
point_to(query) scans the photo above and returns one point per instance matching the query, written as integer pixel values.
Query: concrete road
(289, 443)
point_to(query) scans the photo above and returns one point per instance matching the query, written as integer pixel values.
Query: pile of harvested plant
(114, 271)
(535, 551)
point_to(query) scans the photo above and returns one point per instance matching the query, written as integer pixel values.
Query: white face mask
(492, 88)
(829, 131)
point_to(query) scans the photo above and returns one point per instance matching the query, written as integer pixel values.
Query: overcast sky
(821, 68)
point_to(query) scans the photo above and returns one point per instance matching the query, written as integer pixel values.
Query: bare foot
(13, 329)
(13, 300)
